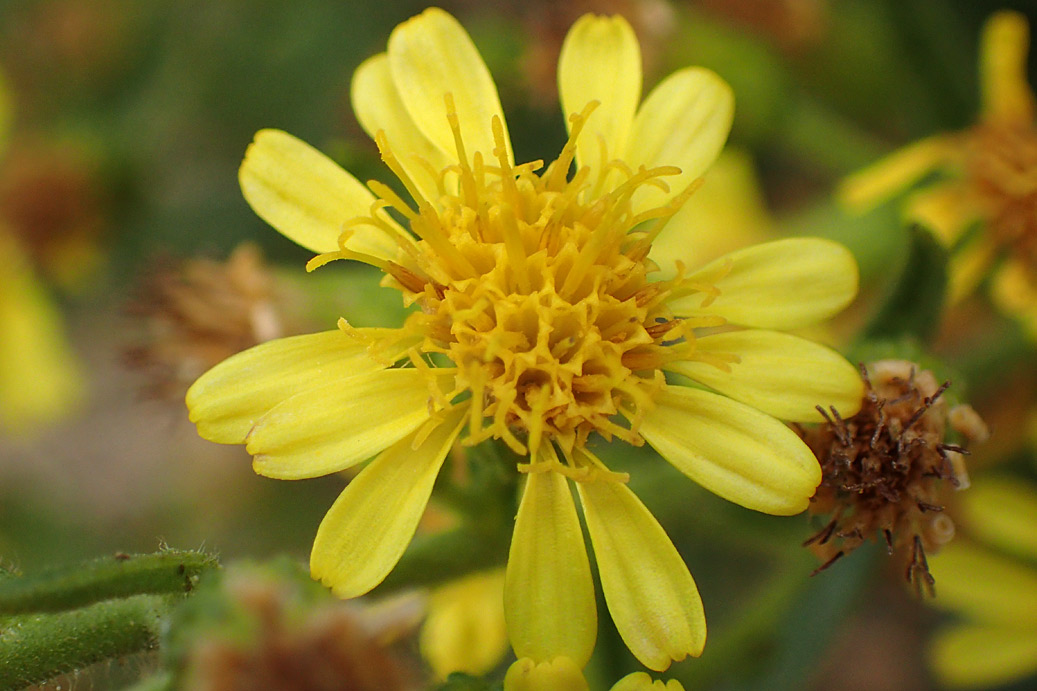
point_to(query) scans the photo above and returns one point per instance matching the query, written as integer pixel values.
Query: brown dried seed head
(887, 470)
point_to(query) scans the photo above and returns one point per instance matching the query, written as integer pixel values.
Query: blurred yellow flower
(561, 674)
(465, 629)
(988, 174)
(538, 327)
(992, 586)
(39, 379)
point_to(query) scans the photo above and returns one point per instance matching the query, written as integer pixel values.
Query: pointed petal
(782, 375)
(548, 593)
(976, 656)
(783, 284)
(983, 585)
(1006, 95)
(369, 526)
(378, 107)
(733, 450)
(307, 197)
(431, 55)
(337, 425)
(896, 172)
(650, 594)
(684, 122)
(226, 401)
(600, 61)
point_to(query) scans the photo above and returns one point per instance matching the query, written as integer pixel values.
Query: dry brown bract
(884, 469)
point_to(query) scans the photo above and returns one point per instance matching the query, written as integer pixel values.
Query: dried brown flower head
(199, 312)
(887, 469)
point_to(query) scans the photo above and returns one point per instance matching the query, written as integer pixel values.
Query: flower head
(539, 326)
(885, 468)
(988, 176)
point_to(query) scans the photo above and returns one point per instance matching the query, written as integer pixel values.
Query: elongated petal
(337, 425)
(378, 107)
(782, 375)
(783, 284)
(684, 122)
(226, 401)
(548, 592)
(984, 586)
(650, 594)
(307, 197)
(733, 450)
(888, 176)
(369, 526)
(729, 213)
(944, 209)
(1006, 94)
(982, 657)
(431, 55)
(600, 61)
(1002, 511)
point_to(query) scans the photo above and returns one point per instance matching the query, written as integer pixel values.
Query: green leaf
(914, 304)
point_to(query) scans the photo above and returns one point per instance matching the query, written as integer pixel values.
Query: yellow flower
(539, 327)
(988, 175)
(561, 674)
(465, 628)
(39, 378)
(992, 587)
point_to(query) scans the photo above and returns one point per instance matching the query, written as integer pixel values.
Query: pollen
(534, 284)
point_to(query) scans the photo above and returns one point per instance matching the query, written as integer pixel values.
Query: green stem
(38, 647)
(168, 571)
(434, 559)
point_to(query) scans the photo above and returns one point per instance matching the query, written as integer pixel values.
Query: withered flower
(888, 469)
(198, 312)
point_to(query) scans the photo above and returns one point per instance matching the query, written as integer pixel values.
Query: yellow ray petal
(226, 401)
(983, 585)
(307, 197)
(600, 61)
(639, 681)
(784, 284)
(729, 213)
(969, 265)
(378, 107)
(339, 424)
(944, 209)
(1014, 290)
(733, 450)
(684, 122)
(896, 172)
(649, 591)
(40, 380)
(465, 629)
(431, 55)
(782, 375)
(983, 656)
(369, 526)
(559, 674)
(548, 593)
(1005, 93)
(1003, 512)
